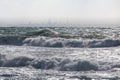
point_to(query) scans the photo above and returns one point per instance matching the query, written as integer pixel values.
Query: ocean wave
(43, 32)
(60, 37)
(65, 34)
(54, 34)
(59, 64)
(76, 43)
(58, 42)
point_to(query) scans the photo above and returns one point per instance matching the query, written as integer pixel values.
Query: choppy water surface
(37, 63)
(37, 53)
(61, 36)
(63, 32)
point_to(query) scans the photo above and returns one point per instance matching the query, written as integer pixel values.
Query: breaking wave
(51, 38)
(42, 41)
(62, 42)
(56, 64)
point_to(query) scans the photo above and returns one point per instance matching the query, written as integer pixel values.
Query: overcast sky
(104, 11)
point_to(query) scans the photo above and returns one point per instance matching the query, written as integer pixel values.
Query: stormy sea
(59, 53)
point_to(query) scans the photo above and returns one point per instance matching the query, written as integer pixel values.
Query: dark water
(61, 36)
(64, 32)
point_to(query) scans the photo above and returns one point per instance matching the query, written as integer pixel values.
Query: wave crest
(61, 42)
(58, 64)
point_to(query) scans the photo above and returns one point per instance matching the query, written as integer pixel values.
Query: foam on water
(90, 37)
(61, 42)
(59, 64)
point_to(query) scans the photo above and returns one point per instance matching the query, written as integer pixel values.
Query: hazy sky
(104, 11)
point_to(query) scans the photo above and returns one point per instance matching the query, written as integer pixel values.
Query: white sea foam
(58, 64)
(62, 59)
(62, 42)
